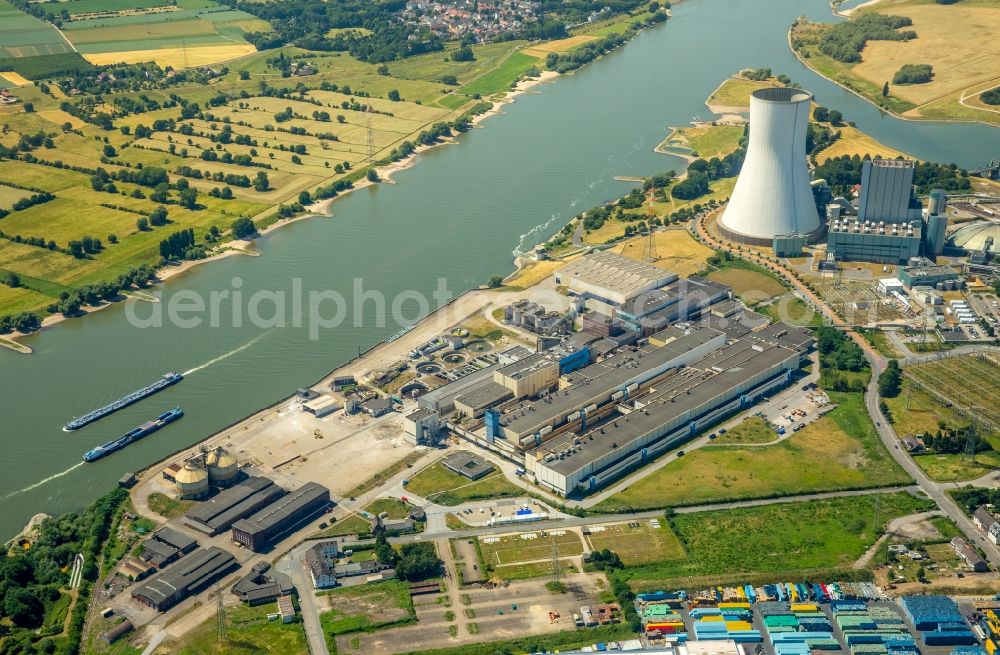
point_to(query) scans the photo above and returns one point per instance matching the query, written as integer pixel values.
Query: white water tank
(773, 195)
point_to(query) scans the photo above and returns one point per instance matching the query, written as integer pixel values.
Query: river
(458, 215)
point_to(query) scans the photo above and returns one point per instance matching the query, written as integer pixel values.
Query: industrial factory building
(166, 546)
(620, 412)
(259, 530)
(611, 278)
(219, 513)
(192, 574)
(683, 402)
(773, 195)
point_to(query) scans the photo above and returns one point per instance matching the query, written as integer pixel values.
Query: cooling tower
(772, 195)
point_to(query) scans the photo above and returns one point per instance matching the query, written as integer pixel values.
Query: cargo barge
(131, 436)
(167, 380)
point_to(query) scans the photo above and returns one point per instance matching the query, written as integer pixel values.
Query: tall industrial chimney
(772, 195)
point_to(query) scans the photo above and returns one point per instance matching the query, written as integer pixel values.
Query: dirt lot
(533, 602)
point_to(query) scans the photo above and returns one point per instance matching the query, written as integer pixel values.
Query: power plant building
(259, 530)
(612, 278)
(887, 192)
(773, 194)
(884, 243)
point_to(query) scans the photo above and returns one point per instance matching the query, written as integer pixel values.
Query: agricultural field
(22, 35)
(841, 450)
(185, 34)
(955, 38)
(638, 542)
(438, 484)
(784, 538)
(249, 632)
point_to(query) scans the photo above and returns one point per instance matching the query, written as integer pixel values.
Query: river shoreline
(910, 119)
(320, 209)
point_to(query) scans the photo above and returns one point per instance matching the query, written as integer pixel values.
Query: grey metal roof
(689, 388)
(234, 503)
(187, 576)
(594, 382)
(281, 510)
(485, 395)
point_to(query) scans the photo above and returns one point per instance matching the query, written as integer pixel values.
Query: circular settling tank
(428, 368)
(479, 346)
(454, 358)
(413, 389)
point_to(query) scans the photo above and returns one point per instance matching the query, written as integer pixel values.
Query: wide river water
(458, 215)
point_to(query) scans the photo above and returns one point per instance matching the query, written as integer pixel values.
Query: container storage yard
(804, 618)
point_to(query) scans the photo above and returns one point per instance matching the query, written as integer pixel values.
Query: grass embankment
(166, 506)
(955, 38)
(436, 483)
(676, 250)
(785, 539)
(563, 640)
(839, 451)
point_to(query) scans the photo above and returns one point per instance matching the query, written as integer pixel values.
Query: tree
(372, 175)
(244, 75)
(418, 561)
(836, 117)
(384, 552)
(243, 228)
(188, 198)
(142, 224)
(463, 54)
(382, 69)
(158, 216)
(494, 282)
(394, 95)
(261, 183)
(23, 608)
(450, 80)
(890, 381)
(885, 90)
(12, 279)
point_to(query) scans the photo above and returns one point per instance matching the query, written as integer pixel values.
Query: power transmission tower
(555, 562)
(878, 506)
(220, 617)
(971, 440)
(649, 248)
(370, 155)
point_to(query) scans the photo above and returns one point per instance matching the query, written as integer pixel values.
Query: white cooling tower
(772, 195)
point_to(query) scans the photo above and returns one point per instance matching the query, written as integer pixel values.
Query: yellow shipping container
(734, 606)
(712, 618)
(991, 646)
(738, 625)
(804, 607)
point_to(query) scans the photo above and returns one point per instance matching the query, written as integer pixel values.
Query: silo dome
(222, 466)
(773, 195)
(192, 480)
(978, 235)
